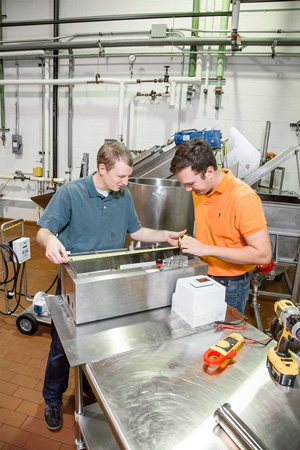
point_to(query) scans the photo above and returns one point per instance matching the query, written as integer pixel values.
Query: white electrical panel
(21, 247)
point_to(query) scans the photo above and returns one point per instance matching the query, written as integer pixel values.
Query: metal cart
(27, 321)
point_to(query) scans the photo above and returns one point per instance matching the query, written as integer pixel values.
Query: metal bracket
(100, 48)
(296, 125)
(273, 48)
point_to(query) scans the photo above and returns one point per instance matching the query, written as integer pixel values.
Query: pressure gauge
(132, 58)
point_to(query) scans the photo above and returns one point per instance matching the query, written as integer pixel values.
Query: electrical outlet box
(159, 30)
(21, 247)
(17, 144)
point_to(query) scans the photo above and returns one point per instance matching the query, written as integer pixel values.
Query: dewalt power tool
(281, 362)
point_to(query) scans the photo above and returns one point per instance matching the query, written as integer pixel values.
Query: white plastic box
(199, 300)
(21, 247)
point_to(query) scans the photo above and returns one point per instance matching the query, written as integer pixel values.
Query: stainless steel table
(156, 394)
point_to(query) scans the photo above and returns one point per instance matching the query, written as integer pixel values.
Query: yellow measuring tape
(125, 252)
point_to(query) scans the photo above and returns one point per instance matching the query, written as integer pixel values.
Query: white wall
(256, 89)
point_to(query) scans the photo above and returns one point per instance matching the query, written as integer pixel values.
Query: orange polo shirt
(225, 217)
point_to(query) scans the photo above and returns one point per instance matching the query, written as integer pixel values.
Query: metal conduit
(113, 18)
(180, 41)
(161, 54)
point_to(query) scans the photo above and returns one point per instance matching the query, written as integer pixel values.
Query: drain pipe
(55, 92)
(235, 37)
(70, 114)
(121, 84)
(205, 89)
(220, 63)
(2, 98)
(181, 80)
(193, 55)
(46, 119)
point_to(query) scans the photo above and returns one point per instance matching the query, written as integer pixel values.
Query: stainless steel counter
(163, 398)
(94, 341)
(155, 393)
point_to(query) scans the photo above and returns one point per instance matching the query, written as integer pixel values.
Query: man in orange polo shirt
(231, 230)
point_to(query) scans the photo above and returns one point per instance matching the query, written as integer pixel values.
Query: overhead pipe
(32, 178)
(159, 42)
(180, 80)
(221, 58)
(177, 54)
(96, 80)
(59, 82)
(121, 17)
(23, 54)
(113, 18)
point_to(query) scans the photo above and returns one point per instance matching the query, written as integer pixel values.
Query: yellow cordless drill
(281, 362)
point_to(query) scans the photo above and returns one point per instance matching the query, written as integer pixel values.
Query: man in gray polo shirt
(89, 214)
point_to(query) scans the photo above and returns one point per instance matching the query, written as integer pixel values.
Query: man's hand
(193, 246)
(172, 237)
(55, 251)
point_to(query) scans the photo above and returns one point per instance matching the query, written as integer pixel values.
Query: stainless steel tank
(162, 204)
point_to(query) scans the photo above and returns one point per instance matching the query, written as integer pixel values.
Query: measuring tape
(125, 252)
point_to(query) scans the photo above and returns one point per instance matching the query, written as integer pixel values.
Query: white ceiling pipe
(46, 179)
(199, 68)
(121, 84)
(205, 89)
(46, 124)
(181, 80)
(22, 54)
(118, 80)
(121, 111)
(60, 81)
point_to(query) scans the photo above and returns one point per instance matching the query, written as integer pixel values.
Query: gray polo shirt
(85, 220)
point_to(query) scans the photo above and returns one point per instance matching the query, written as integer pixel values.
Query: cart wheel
(27, 324)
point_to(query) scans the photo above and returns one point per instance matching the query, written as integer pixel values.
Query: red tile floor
(23, 361)
(22, 366)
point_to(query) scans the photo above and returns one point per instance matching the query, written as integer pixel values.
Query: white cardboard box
(199, 300)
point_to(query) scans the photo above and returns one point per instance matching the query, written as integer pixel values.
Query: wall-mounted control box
(17, 144)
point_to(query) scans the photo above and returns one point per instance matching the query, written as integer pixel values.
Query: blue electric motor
(213, 137)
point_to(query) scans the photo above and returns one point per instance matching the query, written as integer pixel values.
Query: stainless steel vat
(111, 284)
(162, 204)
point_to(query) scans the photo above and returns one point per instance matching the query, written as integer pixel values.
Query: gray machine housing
(103, 287)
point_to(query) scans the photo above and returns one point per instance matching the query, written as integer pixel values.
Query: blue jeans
(57, 370)
(237, 291)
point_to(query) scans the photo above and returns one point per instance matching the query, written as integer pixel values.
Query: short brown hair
(111, 152)
(197, 154)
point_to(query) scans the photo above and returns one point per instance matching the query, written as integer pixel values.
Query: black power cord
(8, 255)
